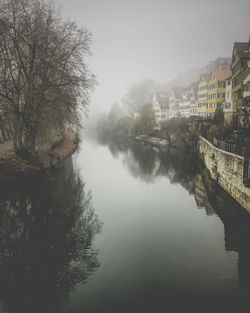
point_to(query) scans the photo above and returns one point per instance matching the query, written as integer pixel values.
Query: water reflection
(236, 225)
(183, 167)
(46, 231)
(148, 163)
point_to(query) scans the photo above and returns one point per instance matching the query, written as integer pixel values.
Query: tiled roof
(222, 75)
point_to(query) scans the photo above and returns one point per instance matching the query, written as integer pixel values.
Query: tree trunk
(14, 141)
(30, 140)
(3, 133)
(2, 129)
(17, 136)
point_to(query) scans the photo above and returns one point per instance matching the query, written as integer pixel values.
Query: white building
(175, 98)
(202, 95)
(161, 107)
(227, 102)
(187, 106)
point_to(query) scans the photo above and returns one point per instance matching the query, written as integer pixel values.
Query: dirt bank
(13, 167)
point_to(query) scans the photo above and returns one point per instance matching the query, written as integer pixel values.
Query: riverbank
(13, 167)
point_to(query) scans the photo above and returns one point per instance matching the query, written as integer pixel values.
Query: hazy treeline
(119, 124)
(135, 116)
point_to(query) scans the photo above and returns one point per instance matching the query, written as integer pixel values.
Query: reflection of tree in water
(146, 162)
(46, 232)
(181, 166)
(117, 147)
(142, 161)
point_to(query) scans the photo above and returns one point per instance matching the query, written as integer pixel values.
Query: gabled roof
(162, 100)
(222, 75)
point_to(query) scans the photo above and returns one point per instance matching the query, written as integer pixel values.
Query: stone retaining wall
(227, 169)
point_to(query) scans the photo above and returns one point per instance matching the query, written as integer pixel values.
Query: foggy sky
(138, 39)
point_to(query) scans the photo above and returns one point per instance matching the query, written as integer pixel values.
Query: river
(122, 229)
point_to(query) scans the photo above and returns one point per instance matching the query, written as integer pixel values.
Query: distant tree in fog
(137, 95)
(144, 123)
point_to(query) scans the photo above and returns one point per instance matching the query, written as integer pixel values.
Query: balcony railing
(233, 148)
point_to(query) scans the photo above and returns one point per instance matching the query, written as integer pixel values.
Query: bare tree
(44, 81)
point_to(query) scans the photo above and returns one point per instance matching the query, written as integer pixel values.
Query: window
(221, 84)
(221, 95)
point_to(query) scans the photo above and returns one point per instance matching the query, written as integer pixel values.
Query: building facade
(227, 103)
(246, 82)
(187, 105)
(216, 90)
(202, 96)
(240, 58)
(161, 108)
(175, 98)
(220, 64)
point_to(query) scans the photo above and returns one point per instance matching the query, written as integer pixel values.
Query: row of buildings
(225, 82)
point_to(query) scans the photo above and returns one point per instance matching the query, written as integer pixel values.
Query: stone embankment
(227, 170)
(154, 141)
(13, 167)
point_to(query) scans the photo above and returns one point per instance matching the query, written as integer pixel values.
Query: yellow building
(216, 90)
(240, 57)
(202, 95)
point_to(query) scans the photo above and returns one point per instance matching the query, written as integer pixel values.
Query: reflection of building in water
(235, 219)
(236, 222)
(237, 238)
(201, 196)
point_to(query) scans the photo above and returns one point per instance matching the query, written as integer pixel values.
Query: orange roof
(222, 75)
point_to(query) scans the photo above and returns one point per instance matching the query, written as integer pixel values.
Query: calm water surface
(123, 230)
